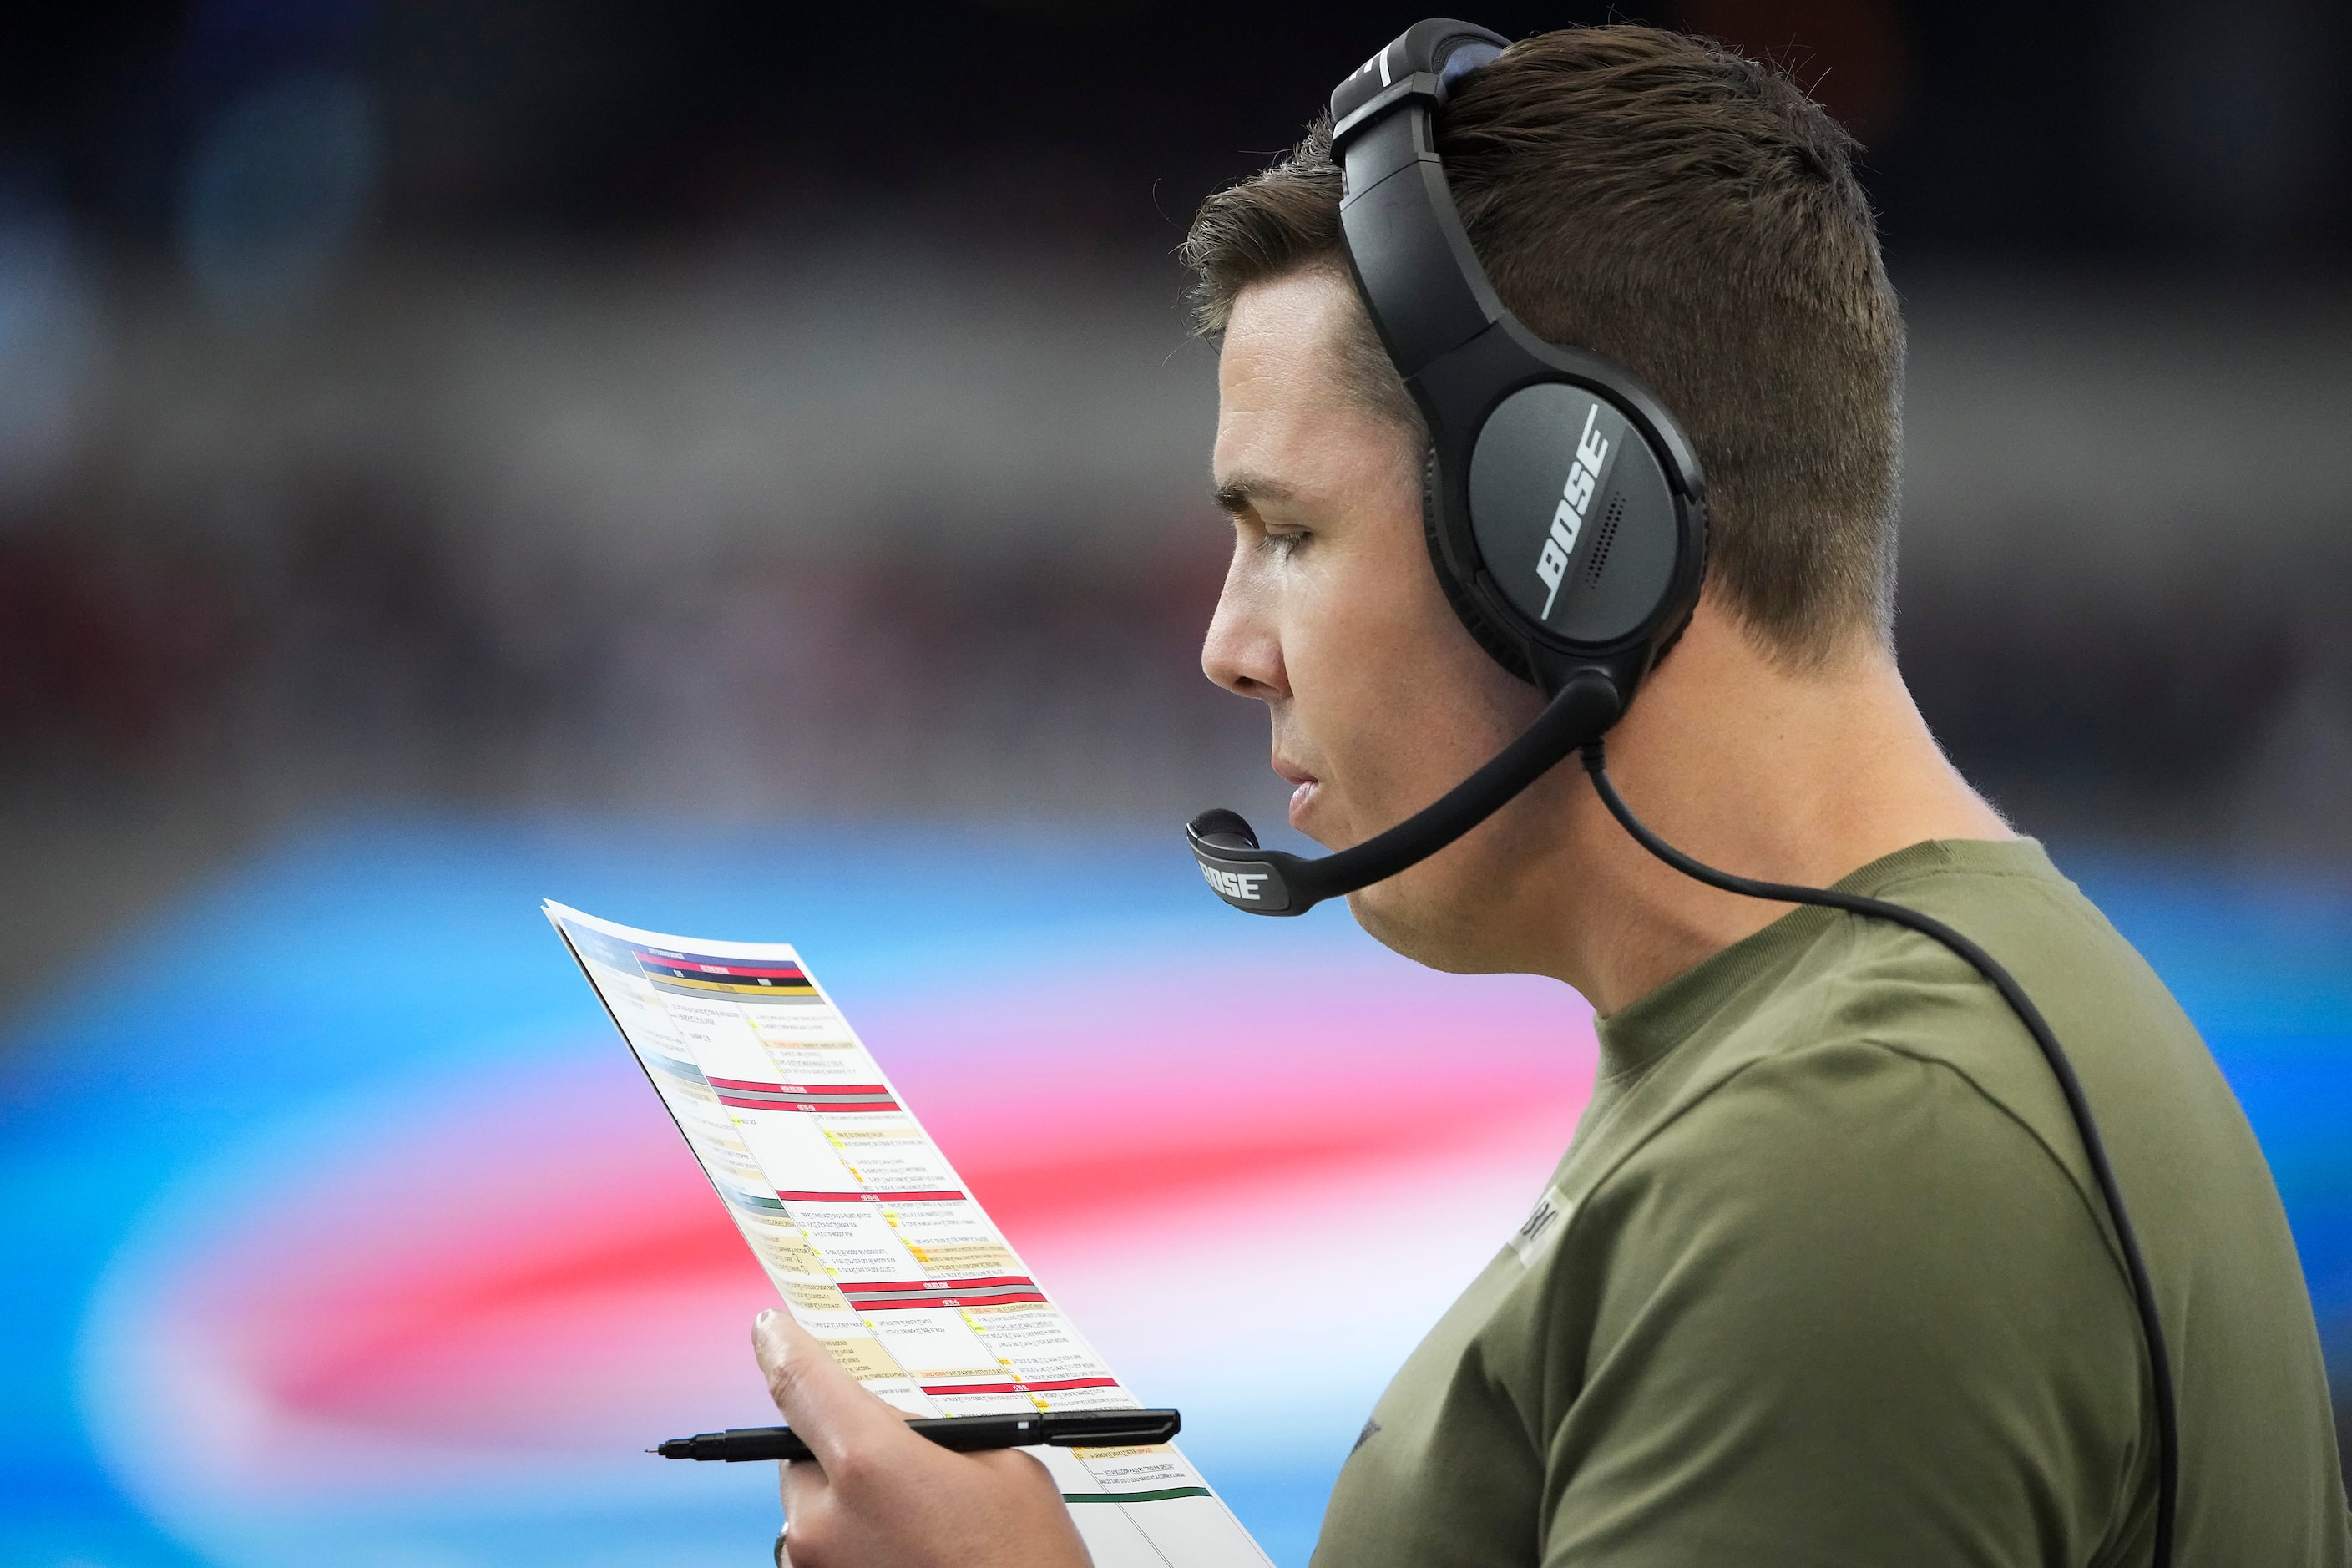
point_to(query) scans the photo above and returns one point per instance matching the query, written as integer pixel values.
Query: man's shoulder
(2149, 1074)
(2012, 901)
(1849, 1264)
(1848, 1128)
(1866, 992)
(1857, 1182)
(1869, 1064)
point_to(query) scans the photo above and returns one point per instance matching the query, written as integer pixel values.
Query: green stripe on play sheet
(1163, 1495)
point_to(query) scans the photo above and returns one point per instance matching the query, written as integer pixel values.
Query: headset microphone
(1269, 882)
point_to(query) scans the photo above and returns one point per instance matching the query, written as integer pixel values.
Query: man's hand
(877, 1496)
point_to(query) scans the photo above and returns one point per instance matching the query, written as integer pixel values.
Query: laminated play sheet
(866, 1230)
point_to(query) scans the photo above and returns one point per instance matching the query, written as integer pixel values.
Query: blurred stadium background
(685, 459)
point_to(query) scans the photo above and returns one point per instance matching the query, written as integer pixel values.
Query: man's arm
(877, 1496)
(1848, 1309)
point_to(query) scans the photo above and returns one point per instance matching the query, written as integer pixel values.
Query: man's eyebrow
(1243, 492)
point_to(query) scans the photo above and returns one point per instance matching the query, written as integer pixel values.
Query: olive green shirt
(1824, 1279)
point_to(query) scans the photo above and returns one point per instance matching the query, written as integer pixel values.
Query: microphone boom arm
(1270, 882)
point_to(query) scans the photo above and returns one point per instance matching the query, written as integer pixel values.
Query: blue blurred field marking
(438, 915)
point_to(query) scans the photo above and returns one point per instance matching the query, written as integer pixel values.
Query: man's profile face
(1332, 615)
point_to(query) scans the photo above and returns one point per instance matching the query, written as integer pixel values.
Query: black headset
(1563, 506)
(1567, 521)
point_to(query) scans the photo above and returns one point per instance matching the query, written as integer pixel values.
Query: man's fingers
(824, 1404)
(877, 1493)
(802, 1488)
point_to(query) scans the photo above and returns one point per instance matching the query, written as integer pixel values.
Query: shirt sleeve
(1845, 1310)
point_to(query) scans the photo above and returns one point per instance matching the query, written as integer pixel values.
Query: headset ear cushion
(1504, 649)
(1666, 644)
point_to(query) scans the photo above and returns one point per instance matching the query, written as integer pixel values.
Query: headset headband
(1420, 281)
(1425, 287)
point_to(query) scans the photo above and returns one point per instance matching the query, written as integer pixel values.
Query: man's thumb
(820, 1401)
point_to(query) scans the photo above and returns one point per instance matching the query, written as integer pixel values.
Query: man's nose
(1242, 652)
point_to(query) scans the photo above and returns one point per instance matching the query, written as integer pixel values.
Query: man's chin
(1437, 927)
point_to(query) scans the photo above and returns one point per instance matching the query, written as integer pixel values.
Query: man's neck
(1791, 776)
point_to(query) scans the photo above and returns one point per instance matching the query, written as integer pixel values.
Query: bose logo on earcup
(1235, 884)
(1575, 499)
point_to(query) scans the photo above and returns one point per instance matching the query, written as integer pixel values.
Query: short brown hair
(1692, 214)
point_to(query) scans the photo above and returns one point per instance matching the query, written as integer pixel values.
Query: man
(1823, 1278)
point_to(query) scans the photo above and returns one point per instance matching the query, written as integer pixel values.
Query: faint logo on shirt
(1543, 1222)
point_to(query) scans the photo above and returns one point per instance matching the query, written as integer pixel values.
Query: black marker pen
(964, 1433)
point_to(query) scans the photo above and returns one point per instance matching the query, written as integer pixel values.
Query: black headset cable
(2168, 1438)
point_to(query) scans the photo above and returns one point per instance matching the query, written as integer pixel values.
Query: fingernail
(765, 1313)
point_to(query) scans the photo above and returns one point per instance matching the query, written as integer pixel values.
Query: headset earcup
(1503, 648)
(1666, 644)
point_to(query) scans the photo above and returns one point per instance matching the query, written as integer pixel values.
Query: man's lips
(1303, 786)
